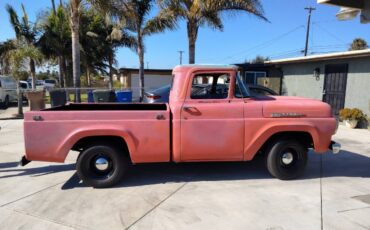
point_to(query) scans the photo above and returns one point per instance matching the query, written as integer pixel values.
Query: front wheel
(286, 159)
(101, 166)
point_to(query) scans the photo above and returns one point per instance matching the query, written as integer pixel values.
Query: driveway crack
(157, 205)
(34, 193)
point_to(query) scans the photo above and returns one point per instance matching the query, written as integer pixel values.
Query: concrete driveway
(188, 196)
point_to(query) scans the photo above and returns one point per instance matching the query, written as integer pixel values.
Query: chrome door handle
(37, 118)
(188, 108)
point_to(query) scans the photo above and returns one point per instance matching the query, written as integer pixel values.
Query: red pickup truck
(210, 117)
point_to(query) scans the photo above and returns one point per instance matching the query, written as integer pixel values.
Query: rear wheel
(286, 159)
(101, 166)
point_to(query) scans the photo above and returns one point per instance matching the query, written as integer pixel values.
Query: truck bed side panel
(147, 137)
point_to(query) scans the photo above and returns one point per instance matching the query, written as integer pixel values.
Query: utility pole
(310, 9)
(181, 52)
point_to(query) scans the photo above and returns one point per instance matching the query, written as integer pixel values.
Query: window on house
(210, 86)
(252, 76)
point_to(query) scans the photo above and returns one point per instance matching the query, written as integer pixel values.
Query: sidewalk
(9, 112)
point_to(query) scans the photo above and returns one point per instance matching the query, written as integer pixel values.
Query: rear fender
(74, 137)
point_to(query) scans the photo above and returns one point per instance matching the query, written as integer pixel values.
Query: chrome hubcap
(101, 164)
(287, 158)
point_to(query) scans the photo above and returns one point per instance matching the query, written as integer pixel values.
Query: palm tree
(25, 31)
(5, 51)
(75, 28)
(135, 14)
(358, 44)
(109, 35)
(22, 51)
(55, 41)
(75, 6)
(198, 13)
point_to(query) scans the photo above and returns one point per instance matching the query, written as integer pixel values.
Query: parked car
(162, 94)
(258, 90)
(49, 84)
(215, 126)
(8, 91)
(25, 86)
(40, 84)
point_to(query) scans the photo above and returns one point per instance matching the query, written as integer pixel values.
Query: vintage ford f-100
(210, 117)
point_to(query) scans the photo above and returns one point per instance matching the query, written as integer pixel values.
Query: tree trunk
(20, 101)
(64, 71)
(140, 52)
(110, 62)
(75, 24)
(88, 77)
(33, 73)
(53, 5)
(61, 71)
(192, 38)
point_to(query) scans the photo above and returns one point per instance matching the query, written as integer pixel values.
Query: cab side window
(210, 86)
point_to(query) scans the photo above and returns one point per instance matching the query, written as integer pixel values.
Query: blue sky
(243, 38)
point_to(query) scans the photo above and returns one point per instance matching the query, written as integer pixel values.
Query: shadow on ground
(17, 171)
(346, 164)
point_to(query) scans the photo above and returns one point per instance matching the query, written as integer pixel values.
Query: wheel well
(304, 138)
(114, 141)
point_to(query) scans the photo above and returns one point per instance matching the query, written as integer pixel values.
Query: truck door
(212, 124)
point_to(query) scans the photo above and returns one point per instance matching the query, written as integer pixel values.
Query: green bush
(351, 114)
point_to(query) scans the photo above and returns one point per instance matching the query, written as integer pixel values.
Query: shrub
(351, 114)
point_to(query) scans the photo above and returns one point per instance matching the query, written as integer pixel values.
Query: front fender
(256, 140)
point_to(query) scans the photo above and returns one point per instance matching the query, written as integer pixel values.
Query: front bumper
(335, 147)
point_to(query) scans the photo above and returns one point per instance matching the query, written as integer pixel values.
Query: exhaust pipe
(24, 161)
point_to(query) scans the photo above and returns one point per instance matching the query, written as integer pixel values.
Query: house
(154, 78)
(261, 74)
(341, 79)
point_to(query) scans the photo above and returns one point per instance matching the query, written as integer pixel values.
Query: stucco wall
(298, 80)
(358, 85)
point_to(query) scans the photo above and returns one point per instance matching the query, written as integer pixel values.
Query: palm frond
(160, 23)
(14, 20)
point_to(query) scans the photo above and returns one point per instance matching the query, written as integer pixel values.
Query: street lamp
(346, 13)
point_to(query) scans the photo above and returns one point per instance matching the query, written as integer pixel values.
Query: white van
(8, 91)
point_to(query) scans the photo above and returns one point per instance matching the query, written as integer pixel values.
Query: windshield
(240, 89)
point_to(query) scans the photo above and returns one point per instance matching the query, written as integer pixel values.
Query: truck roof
(204, 66)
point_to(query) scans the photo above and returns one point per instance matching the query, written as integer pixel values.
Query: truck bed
(51, 133)
(108, 106)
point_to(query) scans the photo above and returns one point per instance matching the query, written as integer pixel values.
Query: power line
(261, 45)
(328, 32)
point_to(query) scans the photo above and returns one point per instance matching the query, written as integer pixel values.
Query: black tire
(117, 164)
(286, 159)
